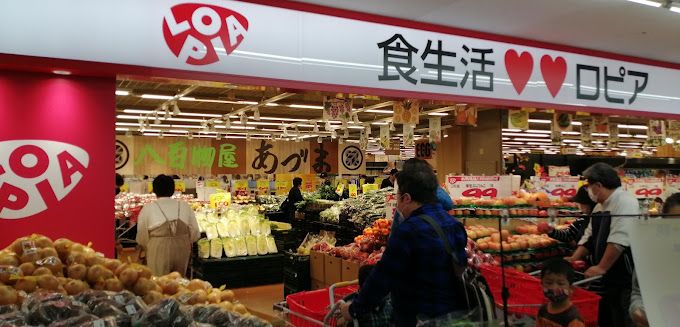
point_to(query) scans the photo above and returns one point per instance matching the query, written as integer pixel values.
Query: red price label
(563, 192)
(648, 193)
(478, 192)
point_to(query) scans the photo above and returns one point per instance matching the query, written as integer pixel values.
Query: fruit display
(128, 205)
(478, 231)
(522, 204)
(374, 237)
(322, 242)
(58, 277)
(235, 231)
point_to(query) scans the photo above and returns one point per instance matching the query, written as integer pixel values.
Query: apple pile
(514, 242)
(375, 236)
(37, 263)
(477, 231)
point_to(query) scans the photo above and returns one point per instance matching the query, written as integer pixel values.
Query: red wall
(78, 111)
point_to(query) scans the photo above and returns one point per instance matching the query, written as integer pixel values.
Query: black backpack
(470, 284)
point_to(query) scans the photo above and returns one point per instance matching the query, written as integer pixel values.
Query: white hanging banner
(385, 137)
(436, 129)
(239, 38)
(409, 139)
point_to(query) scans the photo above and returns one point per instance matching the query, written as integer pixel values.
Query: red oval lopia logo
(196, 32)
(36, 174)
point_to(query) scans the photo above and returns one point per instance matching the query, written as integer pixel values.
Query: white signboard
(558, 187)
(479, 186)
(645, 188)
(246, 39)
(390, 205)
(656, 252)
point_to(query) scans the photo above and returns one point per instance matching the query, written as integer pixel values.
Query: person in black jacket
(294, 196)
(576, 229)
(389, 182)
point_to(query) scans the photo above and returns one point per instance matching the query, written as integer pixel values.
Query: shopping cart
(316, 308)
(526, 293)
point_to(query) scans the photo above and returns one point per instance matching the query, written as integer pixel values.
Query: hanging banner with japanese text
(337, 109)
(385, 137)
(435, 129)
(323, 157)
(267, 157)
(645, 188)
(601, 124)
(587, 132)
(406, 112)
(656, 133)
(562, 121)
(259, 41)
(479, 186)
(424, 149)
(352, 160)
(518, 119)
(466, 116)
(558, 187)
(613, 135)
(408, 135)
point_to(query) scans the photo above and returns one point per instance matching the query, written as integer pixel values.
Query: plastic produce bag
(244, 227)
(254, 226)
(165, 313)
(241, 248)
(229, 247)
(251, 245)
(82, 320)
(13, 318)
(211, 231)
(200, 313)
(222, 228)
(232, 227)
(216, 248)
(57, 310)
(204, 248)
(223, 318)
(271, 244)
(265, 227)
(262, 245)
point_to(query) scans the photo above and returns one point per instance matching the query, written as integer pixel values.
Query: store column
(57, 137)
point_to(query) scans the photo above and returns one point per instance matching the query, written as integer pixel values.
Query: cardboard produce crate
(332, 270)
(350, 270)
(316, 265)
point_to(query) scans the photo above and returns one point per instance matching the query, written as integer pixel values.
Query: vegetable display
(236, 231)
(366, 208)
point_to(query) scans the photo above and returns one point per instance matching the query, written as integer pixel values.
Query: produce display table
(240, 271)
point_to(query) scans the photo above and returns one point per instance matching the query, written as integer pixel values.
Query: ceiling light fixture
(61, 72)
(438, 114)
(156, 97)
(540, 121)
(256, 114)
(304, 106)
(674, 9)
(378, 111)
(122, 92)
(647, 3)
(669, 140)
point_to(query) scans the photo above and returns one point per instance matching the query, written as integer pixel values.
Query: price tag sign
(645, 188)
(220, 199)
(479, 186)
(263, 187)
(558, 187)
(369, 187)
(353, 192)
(390, 205)
(125, 188)
(180, 186)
(149, 187)
(424, 149)
(212, 183)
(282, 187)
(241, 187)
(340, 189)
(673, 182)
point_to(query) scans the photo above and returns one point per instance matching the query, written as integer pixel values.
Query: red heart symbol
(519, 68)
(554, 71)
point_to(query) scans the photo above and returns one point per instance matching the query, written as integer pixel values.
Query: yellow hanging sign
(213, 183)
(353, 193)
(180, 186)
(220, 199)
(263, 187)
(340, 189)
(370, 187)
(241, 187)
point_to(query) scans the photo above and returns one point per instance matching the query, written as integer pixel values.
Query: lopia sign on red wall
(196, 32)
(56, 158)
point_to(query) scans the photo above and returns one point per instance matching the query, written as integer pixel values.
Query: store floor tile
(261, 299)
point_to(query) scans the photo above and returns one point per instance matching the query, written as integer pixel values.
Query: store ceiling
(617, 26)
(140, 101)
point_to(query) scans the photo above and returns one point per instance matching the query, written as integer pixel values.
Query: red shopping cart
(526, 293)
(316, 308)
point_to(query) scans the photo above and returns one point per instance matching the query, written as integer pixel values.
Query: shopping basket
(310, 309)
(526, 294)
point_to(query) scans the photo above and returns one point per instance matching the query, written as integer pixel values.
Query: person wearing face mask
(415, 267)
(557, 278)
(606, 239)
